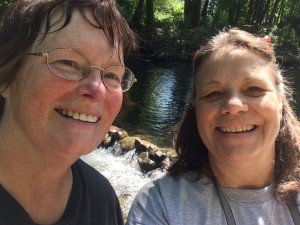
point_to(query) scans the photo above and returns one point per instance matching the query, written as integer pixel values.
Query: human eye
(112, 81)
(212, 96)
(255, 91)
(66, 65)
(68, 62)
(112, 77)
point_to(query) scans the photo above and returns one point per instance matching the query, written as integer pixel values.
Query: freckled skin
(235, 87)
(38, 145)
(31, 100)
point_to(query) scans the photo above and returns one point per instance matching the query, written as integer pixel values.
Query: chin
(78, 148)
(239, 155)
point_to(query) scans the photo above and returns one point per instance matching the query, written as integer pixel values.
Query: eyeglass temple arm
(133, 80)
(37, 54)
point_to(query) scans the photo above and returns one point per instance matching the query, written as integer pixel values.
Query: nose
(92, 85)
(234, 103)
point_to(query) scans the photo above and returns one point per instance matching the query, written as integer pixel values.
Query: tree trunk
(137, 15)
(258, 12)
(192, 11)
(250, 12)
(217, 13)
(187, 12)
(233, 12)
(239, 6)
(266, 10)
(149, 13)
(273, 12)
(196, 13)
(204, 12)
(281, 13)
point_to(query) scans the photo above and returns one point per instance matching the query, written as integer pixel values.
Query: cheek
(270, 111)
(114, 104)
(206, 113)
(203, 120)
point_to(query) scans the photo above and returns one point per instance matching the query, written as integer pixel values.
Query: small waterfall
(122, 171)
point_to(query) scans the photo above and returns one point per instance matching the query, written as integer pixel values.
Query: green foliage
(171, 39)
(292, 15)
(126, 8)
(173, 43)
(286, 40)
(4, 4)
(169, 12)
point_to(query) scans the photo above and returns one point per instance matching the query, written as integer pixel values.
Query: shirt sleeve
(148, 207)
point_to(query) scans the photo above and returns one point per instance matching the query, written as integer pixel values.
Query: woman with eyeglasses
(237, 143)
(62, 78)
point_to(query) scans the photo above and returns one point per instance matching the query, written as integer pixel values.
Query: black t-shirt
(92, 202)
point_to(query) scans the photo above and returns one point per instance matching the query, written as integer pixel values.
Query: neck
(244, 176)
(40, 180)
(42, 191)
(35, 172)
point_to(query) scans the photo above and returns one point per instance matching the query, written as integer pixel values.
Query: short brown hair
(20, 26)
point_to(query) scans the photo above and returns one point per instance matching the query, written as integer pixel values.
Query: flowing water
(160, 96)
(123, 173)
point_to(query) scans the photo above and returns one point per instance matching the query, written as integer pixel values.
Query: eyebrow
(247, 79)
(256, 79)
(209, 82)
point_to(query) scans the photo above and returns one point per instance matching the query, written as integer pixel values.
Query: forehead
(78, 35)
(232, 53)
(233, 62)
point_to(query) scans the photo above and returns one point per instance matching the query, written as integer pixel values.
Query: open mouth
(237, 129)
(77, 116)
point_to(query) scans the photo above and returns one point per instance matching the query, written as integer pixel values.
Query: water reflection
(161, 95)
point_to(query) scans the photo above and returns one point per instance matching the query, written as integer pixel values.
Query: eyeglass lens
(70, 65)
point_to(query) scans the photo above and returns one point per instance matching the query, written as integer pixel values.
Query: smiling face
(46, 112)
(238, 107)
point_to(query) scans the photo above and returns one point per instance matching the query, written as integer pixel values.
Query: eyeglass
(70, 65)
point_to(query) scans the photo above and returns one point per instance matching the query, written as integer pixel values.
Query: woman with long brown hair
(237, 143)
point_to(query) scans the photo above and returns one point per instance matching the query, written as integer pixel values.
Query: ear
(4, 91)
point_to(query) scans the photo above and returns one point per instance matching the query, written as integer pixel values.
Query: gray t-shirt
(186, 201)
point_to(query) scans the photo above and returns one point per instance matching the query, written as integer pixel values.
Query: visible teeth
(82, 117)
(75, 115)
(91, 118)
(237, 129)
(78, 116)
(64, 112)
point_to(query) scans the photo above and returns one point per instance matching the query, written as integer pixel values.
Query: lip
(237, 129)
(79, 116)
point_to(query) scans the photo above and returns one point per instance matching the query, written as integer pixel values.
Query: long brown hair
(193, 154)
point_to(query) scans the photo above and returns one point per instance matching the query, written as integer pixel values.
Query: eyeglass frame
(46, 55)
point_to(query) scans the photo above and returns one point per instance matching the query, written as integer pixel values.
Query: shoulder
(97, 198)
(95, 188)
(298, 201)
(168, 189)
(169, 184)
(91, 178)
(165, 199)
(188, 181)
